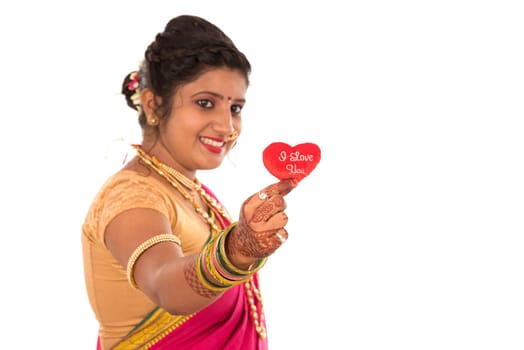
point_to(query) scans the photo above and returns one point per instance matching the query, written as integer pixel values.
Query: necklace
(179, 181)
(191, 185)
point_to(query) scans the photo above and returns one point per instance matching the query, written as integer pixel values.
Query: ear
(147, 99)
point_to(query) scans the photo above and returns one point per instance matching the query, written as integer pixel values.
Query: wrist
(242, 262)
(239, 263)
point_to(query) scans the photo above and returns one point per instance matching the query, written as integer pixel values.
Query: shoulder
(128, 189)
(131, 182)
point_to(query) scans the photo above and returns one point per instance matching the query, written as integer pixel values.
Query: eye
(205, 103)
(236, 109)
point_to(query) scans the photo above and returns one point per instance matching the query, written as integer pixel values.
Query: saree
(227, 323)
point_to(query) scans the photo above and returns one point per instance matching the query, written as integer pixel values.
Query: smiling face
(204, 114)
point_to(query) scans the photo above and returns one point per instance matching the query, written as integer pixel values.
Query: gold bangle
(167, 237)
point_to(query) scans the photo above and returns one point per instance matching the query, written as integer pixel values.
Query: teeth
(212, 142)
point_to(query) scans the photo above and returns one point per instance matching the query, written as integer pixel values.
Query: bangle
(213, 269)
(207, 273)
(228, 265)
(142, 248)
(222, 270)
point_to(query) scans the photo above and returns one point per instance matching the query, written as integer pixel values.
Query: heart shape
(284, 161)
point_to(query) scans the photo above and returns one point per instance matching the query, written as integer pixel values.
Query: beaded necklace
(179, 181)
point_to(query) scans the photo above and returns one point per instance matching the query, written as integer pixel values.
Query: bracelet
(209, 273)
(213, 269)
(212, 272)
(228, 265)
(222, 270)
(142, 248)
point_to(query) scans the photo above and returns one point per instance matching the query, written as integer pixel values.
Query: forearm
(187, 284)
(176, 288)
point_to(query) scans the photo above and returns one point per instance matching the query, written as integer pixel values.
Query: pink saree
(225, 324)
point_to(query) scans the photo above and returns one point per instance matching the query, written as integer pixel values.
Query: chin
(212, 165)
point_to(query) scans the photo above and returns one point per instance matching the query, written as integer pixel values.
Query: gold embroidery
(156, 327)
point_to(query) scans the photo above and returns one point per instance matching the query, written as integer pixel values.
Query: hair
(188, 47)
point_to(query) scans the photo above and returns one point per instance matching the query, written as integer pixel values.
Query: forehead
(224, 81)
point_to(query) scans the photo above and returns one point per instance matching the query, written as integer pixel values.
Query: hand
(260, 229)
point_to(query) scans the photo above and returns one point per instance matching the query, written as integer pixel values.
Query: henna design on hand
(263, 213)
(255, 233)
(260, 229)
(250, 243)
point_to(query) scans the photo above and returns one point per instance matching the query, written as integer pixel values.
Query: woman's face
(205, 113)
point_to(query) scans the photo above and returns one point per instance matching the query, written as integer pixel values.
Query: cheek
(182, 120)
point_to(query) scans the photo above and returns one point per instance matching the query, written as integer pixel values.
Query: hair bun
(131, 89)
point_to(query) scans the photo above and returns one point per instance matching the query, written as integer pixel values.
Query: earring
(152, 120)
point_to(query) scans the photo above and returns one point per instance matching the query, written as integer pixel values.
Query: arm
(160, 271)
(168, 277)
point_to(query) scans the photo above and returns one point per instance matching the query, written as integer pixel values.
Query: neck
(160, 167)
(178, 181)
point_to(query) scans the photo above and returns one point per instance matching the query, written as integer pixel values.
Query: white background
(408, 235)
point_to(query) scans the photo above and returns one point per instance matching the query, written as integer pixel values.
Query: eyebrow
(217, 95)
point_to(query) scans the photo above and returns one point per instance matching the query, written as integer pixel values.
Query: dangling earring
(152, 120)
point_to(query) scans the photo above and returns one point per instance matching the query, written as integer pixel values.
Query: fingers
(268, 215)
(262, 208)
(277, 221)
(260, 230)
(271, 193)
(282, 188)
(269, 241)
(272, 240)
(281, 235)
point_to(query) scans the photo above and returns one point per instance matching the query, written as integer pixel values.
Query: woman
(166, 267)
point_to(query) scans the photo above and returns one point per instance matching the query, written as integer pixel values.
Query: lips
(212, 142)
(214, 145)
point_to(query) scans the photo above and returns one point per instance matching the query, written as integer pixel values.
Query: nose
(223, 122)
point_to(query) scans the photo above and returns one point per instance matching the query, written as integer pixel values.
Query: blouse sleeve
(124, 193)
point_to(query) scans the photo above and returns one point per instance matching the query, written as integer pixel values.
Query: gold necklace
(191, 185)
(176, 179)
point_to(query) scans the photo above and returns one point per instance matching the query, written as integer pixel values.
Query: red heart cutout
(297, 162)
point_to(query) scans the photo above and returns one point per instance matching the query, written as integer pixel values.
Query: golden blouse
(119, 307)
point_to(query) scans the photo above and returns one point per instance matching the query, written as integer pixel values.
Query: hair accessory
(134, 86)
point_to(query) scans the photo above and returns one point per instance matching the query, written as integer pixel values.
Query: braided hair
(188, 47)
